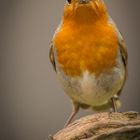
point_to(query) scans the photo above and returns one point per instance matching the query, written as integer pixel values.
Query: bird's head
(84, 10)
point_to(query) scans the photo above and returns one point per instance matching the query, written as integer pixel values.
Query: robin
(89, 56)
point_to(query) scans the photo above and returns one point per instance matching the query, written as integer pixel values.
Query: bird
(89, 56)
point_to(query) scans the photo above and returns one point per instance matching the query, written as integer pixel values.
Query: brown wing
(124, 56)
(121, 45)
(51, 56)
(123, 52)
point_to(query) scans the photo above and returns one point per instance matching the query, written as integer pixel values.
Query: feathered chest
(86, 47)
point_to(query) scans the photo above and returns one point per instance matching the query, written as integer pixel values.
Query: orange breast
(86, 47)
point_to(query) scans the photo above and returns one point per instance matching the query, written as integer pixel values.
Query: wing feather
(51, 56)
(124, 56)
(123, 52)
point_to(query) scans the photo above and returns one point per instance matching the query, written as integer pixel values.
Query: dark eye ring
(69, 1)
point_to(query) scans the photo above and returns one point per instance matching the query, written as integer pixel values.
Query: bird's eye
(69, 1)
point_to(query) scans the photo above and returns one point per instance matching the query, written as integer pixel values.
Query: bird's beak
(83, 1)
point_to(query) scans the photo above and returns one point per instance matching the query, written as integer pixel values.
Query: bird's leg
(114, 104)
(74, 112)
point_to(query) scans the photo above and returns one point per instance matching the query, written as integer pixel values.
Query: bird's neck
(87, 14)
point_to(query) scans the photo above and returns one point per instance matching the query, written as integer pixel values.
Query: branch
(103, 126)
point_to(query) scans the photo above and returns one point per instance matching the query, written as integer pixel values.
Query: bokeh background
(32, 102)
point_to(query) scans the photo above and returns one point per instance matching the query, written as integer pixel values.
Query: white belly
(92, 90)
